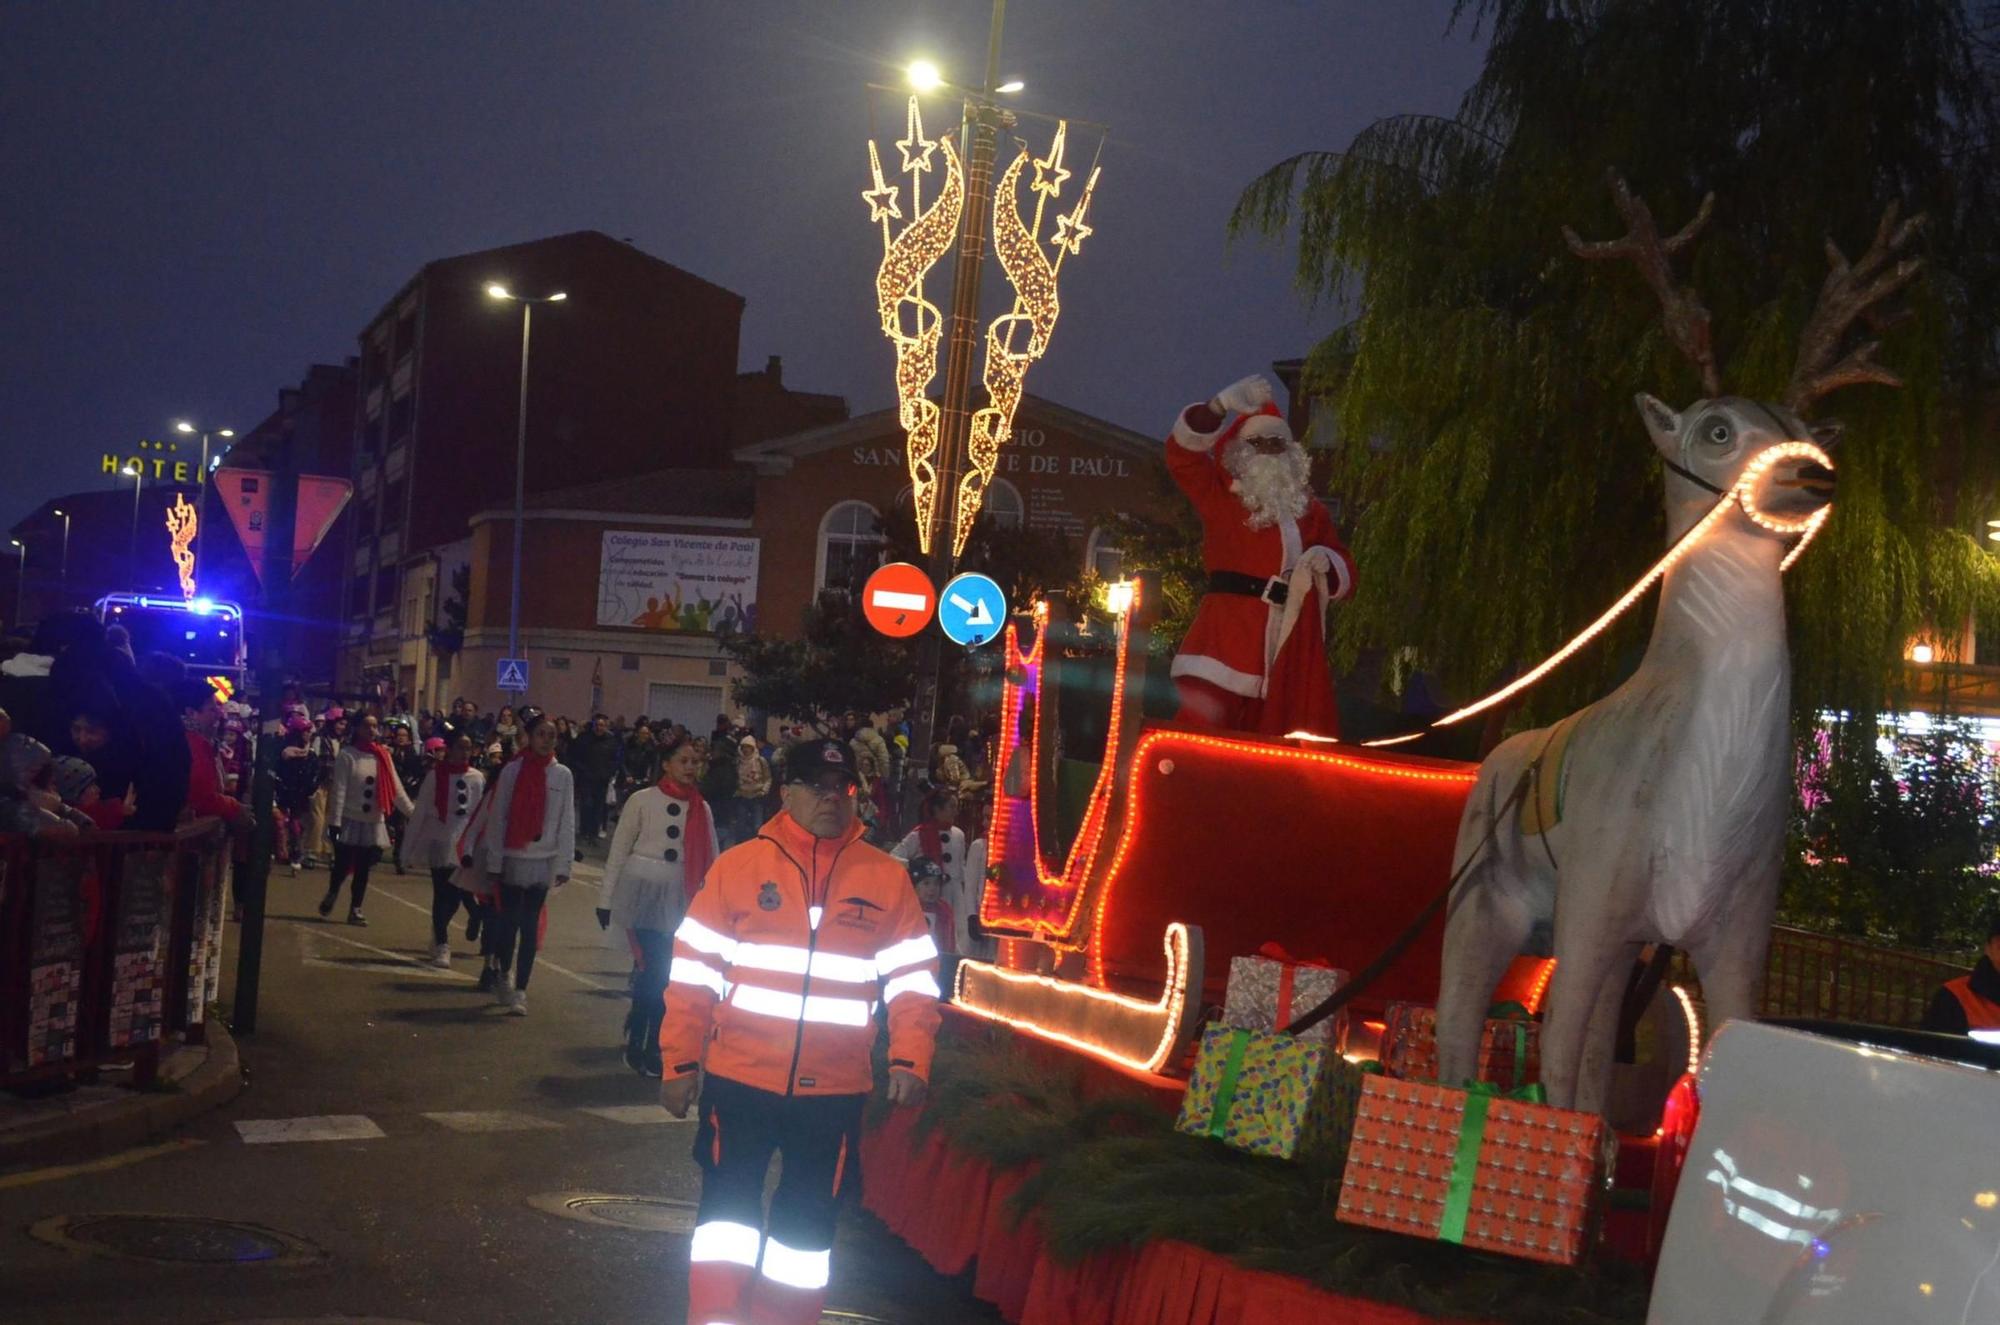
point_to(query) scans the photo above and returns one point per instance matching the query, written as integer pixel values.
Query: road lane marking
(490, 1120)
(405, 964)
(636, 1115)
(324, 1127)
(118, 1161)
(540, 961)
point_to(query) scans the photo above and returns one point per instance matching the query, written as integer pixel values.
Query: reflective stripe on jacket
(784, 957)
(1981, 1013)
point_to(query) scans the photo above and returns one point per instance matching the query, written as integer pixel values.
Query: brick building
(635, 370)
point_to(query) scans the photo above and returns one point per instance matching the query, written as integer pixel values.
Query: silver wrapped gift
(1266, 994)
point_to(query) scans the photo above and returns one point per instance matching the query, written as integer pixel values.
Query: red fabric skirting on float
(951, 1207)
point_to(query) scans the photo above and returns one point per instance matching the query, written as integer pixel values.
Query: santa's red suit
(1247, 663)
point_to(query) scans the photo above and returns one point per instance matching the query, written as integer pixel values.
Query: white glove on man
(1244, 397)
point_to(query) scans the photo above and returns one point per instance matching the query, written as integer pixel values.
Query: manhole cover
(175, 1239)
(647, 1214)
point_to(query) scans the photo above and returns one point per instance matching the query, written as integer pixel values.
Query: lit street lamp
(185, 428)
(63, 592)
(527, 302)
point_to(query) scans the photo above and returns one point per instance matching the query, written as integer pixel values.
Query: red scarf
(445, 773)
(385, 768)
(931, 838)
(530, 804)
(698, 850)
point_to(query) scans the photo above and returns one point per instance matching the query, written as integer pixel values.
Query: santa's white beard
(1271, 487)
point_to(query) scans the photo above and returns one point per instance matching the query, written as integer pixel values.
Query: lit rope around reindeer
(1743, 495)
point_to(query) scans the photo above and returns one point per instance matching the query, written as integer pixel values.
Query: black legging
(653, 954)
(360, 860)
(519, 917)
(446, 898)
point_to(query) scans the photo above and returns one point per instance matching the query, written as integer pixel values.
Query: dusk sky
(204, 198)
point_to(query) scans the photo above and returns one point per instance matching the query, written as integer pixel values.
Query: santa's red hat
(1265, 421)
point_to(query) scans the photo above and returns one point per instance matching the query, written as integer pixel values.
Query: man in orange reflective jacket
(795, 940)
(1972, 1001)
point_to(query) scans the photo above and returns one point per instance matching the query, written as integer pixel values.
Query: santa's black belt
(1250, 586)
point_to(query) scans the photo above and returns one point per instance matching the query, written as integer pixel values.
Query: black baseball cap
(806, 761)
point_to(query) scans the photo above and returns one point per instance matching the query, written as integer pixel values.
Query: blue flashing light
(202, 606)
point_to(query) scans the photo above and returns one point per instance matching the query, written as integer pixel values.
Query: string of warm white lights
(1135, 1033)
(913, 324)
(1036, 307)
(1741, 495)
(181, 527)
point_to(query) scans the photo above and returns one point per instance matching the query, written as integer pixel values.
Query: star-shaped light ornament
(1049, 172)
(1070, 233)
(881, 199)
(916, 148)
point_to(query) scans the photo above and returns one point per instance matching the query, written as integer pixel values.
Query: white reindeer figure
(1673, 790)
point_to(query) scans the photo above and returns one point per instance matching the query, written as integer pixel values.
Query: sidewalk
(103, 1117)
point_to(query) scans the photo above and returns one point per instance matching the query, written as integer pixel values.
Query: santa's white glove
(1244, 397)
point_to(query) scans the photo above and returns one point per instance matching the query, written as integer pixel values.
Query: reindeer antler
(1685, 316)
(1851, 291)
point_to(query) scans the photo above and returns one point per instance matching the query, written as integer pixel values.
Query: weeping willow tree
(1484, 376)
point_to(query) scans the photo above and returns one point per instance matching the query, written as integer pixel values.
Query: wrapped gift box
(1510, 1049)
(1272, 1094)
(1268, 991)
(1483, 1170)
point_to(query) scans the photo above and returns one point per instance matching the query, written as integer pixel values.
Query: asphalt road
(444, 1122)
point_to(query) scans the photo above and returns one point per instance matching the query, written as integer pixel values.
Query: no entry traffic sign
(898, 600)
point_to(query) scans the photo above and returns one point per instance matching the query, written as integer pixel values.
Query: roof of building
(574, 239)
(881, 422)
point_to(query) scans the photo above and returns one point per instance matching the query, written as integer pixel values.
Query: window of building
(371, 436)
(1102, 557)
(385, 588)
(850, 546)
(364, 519)
(406, 334)
(628, 662)
(1003, 505)
(392, 504)
(357, 595)
(402, 413)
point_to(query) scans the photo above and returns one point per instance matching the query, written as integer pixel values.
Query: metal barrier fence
(110, 944)
(1836, 979)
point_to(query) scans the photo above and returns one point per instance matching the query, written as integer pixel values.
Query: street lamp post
(961, 347)
(201, 487)
(527, 303)
(63, 589)
(20, 577)
(137, 475)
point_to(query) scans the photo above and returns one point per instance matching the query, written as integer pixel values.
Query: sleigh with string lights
(1189, 841)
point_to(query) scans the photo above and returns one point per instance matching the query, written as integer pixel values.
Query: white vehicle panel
(1837, 1184)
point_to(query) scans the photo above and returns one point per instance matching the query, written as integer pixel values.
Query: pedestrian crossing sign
(513, 674)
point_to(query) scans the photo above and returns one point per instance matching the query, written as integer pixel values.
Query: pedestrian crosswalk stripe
(326, 1127)
(490, 1120)
(635, 1114)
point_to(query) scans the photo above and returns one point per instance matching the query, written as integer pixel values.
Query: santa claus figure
(1255, 658)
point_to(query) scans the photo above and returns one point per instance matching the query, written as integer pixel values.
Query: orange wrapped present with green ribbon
(1492, 1170)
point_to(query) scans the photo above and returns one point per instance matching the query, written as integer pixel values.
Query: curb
(125, 1123)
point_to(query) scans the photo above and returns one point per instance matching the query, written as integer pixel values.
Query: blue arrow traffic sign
(971, 610)
(513, 674)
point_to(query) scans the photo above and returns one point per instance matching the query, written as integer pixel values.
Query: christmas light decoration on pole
(181, 528)
(1032, 263)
